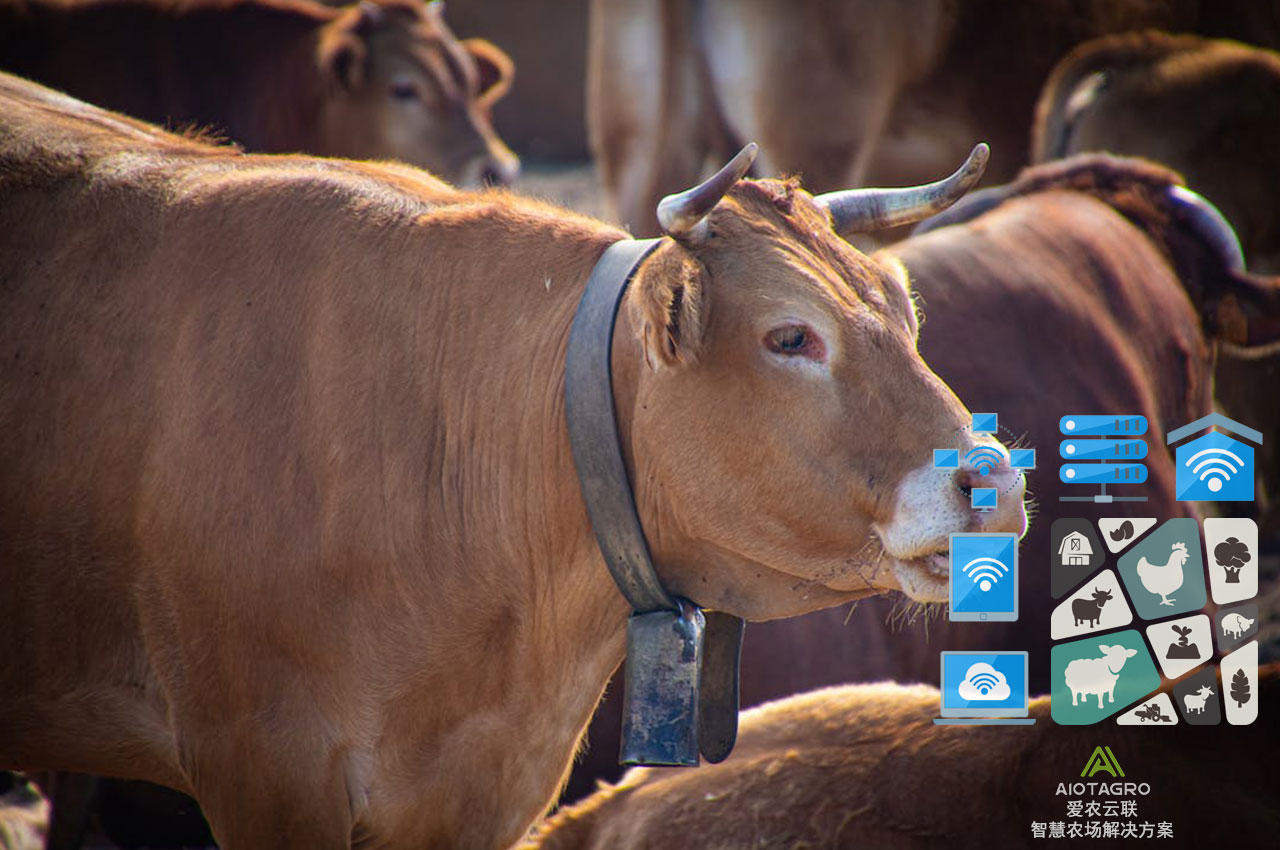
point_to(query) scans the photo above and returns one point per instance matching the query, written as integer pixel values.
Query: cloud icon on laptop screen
(982, 681)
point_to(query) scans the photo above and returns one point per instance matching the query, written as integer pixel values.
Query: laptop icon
(984, 688)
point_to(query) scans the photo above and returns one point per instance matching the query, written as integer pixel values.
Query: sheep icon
(1088, 676)
(1235, 625)
(1195, 702)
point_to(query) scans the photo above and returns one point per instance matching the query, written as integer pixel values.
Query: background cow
(842, 92)
(288, 516)
(1211, 111)
(381, 79)
(865, 766)
(1082, 287)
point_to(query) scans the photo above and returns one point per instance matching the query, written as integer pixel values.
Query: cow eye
(403, 90)
(795, 341)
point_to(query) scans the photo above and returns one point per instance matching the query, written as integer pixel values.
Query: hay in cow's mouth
(924, 578)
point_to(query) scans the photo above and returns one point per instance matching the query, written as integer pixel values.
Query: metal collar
(593, 428)
(681, 696)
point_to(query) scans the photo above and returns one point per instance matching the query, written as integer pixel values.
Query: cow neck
(681, 694)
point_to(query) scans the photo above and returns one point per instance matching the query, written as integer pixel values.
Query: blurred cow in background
(384, 79)
(865, 766)
(1210, 110)
(843, 92)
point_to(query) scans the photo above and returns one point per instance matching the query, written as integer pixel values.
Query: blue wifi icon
(984, 458)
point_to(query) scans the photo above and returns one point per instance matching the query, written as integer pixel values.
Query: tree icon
(1240, 688)
(1232, 554)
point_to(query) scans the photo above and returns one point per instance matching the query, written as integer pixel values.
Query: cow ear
(341, 52)
(341, 57)
(1246, 312)
(668, 306)
(494, 67)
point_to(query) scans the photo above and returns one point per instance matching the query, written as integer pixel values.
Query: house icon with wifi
(1214, 467)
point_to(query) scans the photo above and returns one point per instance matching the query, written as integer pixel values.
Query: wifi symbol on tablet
(985, 572)
(984, 458)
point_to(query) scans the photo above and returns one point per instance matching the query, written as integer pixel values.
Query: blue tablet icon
(984, 577)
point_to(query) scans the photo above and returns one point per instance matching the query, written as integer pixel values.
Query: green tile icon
(1164, 574)
(1098, 676)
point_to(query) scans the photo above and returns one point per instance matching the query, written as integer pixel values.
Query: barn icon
(1075, 550)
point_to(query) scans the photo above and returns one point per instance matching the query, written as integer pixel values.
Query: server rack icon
(1102, 450)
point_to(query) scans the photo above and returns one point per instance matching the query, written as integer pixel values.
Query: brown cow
(384, 79)
(865, 766)
(1084, 288)
(1210, 110)
(842, 92)
(288, 516)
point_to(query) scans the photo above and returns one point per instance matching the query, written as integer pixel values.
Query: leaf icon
(1240, 688)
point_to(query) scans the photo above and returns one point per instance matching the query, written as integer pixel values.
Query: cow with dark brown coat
(383, 79)
(1090, 285)
(1210, 110)
(288, 515)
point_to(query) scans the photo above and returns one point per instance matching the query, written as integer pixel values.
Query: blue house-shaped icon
(1214, 467)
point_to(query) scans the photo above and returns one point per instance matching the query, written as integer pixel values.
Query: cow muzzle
(935, 502)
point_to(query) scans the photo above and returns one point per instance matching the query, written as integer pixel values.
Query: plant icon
(1183, 648)
(1240, 688)
(1232, 554)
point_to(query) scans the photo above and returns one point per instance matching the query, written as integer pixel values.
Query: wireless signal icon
(984, 682)
(984, 458)
(1218, 470)
(985, 572)
(1217, 466)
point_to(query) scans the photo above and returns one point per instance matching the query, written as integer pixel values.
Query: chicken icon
(1163, 579)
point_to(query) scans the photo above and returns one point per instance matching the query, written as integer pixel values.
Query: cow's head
(401, 86)
(783, 424)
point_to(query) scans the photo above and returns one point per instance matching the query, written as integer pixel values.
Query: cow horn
(862, 210)
(681, 214)
(1206, 222)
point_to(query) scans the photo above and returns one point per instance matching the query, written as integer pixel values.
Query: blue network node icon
(985, 423)
(1022, 458)
(984, 576)
(983, 498)
(1215, 467)
(946, 458)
